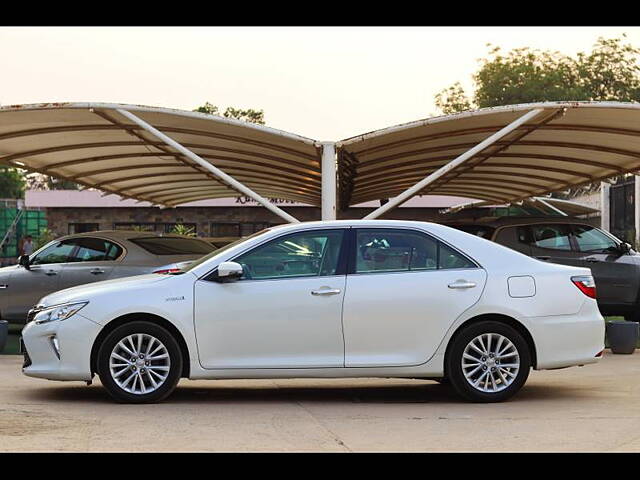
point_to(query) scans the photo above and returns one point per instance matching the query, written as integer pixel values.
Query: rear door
(92, 261)
(551, 242)
(404, 290)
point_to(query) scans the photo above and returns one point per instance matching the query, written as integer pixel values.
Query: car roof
(516, 220)
(125, 234)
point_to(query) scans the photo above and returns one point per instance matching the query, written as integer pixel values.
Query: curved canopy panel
(93, 144)
(566, 144)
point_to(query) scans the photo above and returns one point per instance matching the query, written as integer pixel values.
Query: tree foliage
(610, 72)
(247, 115)
(11, 183)
(40, 181)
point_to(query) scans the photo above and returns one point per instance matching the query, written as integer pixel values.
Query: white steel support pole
(605, 206)
(547, 204)
(229, 180)
(636, 201)
(410, 192)
(328, 169)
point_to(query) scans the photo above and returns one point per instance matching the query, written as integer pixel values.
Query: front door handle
(592, 259)
(326, 291)
(544, 258)
(462, 284)
(96, 271)
(50, 272)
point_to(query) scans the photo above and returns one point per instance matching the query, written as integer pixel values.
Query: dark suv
(615, 266)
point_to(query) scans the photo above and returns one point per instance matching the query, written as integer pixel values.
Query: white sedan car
(325, 299)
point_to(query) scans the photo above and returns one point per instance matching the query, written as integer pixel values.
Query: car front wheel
(489, 361)
(139, 362)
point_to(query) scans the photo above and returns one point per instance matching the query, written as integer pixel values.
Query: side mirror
(624, 248)
(229, 272)
(24, 261)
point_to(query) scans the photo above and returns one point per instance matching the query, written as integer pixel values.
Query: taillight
(586, 284)
(168, 270)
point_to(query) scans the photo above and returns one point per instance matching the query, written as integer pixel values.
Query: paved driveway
(593, 408)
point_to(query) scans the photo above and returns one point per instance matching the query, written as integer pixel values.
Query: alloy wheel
(490, 362)
(139, 363)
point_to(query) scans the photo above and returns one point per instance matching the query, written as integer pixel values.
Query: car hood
(5, 271)
(86, 292)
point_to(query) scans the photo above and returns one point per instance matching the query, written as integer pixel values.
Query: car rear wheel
(139, 362)
(488, 362)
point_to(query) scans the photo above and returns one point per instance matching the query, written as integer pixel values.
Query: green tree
(248, 115)
(11, 183)
(608, 73)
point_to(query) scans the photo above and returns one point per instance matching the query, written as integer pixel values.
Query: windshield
(173, 245)
(220, 250)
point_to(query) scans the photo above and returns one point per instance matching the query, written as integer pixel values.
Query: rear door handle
(592, 259)
(50, 272)
(96, 271)
(544, 258)
(462, 284)
(326, 291)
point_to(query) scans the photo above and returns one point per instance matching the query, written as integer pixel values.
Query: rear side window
(516, 238)
(95, 250)
(386, 250)
(173, 245)
(552, 236)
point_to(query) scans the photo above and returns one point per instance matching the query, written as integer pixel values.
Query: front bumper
(59, 350)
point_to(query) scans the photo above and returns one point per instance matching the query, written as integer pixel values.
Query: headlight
(58, 312)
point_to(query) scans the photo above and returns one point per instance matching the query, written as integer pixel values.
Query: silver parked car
(90, 257)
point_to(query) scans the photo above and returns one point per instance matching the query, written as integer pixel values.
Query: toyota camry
(351, 298)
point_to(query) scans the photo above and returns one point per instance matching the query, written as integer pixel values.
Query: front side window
(382, 250)
(95, 250)
(553, 236)
(58, 252)
(304, 254)
(590, 239)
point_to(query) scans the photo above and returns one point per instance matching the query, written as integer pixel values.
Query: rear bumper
(59, 350)
(568, 340)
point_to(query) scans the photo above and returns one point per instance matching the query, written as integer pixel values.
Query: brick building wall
(59, 218)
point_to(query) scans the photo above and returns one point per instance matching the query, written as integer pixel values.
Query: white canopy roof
(94, 145)
(567, 144)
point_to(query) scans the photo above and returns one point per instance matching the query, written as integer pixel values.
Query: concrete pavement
(592, 408)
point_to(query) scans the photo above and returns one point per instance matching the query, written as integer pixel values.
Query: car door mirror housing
(624, 248)
(229, 272)
(24, 261)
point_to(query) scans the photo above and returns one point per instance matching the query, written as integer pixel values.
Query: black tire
(454, 368)
(133, 328)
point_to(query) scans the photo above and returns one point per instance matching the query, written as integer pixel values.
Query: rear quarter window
(173, 245)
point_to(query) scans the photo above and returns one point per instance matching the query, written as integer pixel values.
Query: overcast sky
(323, 83)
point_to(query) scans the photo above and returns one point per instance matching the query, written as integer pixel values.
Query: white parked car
(325, 299)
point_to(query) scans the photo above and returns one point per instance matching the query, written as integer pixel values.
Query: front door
(407, 288)
(615, 274)
(285, 312)
(92, 261)
(27, 286)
